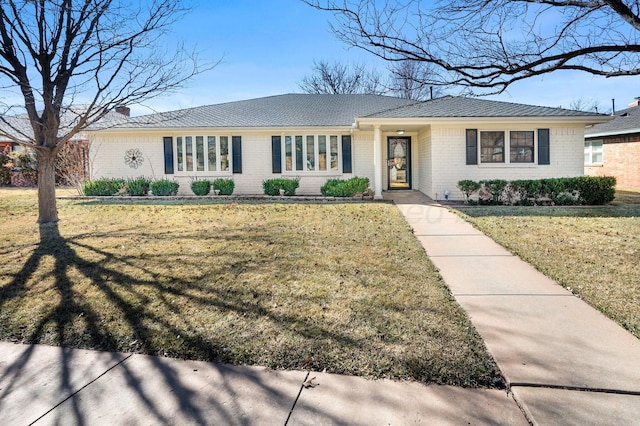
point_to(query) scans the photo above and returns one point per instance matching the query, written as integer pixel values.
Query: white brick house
(398, 144)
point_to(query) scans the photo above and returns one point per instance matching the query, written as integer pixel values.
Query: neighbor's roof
(292, 110)
(19, 126)
(624, 122)
(462, 107)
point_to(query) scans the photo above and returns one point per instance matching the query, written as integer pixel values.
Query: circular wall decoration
(133, 158)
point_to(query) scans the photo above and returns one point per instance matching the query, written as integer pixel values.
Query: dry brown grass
(341, 287)
(593, 251)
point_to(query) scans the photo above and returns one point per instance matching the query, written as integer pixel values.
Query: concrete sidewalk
(47, 385)
(564, 361)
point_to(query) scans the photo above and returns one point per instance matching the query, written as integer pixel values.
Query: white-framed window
(311, 153)
(593, 152)
(199, 153)
(521, 146)
(507, 147)
(492, 145)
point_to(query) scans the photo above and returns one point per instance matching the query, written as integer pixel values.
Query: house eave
(425, 121)
(611, 133)
(227, 130)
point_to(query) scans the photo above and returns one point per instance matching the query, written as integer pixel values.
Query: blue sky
(267, 47)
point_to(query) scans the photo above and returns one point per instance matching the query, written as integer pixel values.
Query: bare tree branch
(487, 45)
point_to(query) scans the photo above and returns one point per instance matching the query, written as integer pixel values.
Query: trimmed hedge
(223, 186)
(164, 187)
(273, 186)
(581, 190)
(344, 188)
(103, 187)
(201, 187)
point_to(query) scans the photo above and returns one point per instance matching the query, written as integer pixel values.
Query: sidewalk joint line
(297, 397)
(574, 388)
(79, 390)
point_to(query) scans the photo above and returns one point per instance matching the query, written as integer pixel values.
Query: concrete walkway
(565, 362)
(47, 385)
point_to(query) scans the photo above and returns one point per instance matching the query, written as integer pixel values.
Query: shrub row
(133, 187)
(345, 188)
(582, 190)
(203, 187)
(141, 186)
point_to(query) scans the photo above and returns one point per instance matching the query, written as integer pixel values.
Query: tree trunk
(47, 210)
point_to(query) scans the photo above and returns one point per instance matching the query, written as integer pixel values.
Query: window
(593, 152)
(311, 153)
(492, 147)
(521, 147)
(507, 147)
(202, 153)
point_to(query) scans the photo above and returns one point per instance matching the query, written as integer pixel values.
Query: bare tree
(484, 46)
(338, 78)
(412, 80)
(103, 53)
(585, 104)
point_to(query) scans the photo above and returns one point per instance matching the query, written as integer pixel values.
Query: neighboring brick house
(613, 148)
(396, 143)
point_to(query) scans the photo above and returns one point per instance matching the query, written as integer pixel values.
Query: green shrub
(273, 186)
(137, 187)
(596, 190)
(527, 191)
(223, 186)
(344, 188)
(201, 187)
(494, 189)
(103, 187)
(290, 186)
(164, 187)
(468, 187)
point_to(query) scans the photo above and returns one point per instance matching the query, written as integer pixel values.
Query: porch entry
(399, 162)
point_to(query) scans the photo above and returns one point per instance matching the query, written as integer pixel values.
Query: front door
(399, 162)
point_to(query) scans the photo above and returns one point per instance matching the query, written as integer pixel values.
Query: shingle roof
(625, 121)
(292, 110)
(461, 107)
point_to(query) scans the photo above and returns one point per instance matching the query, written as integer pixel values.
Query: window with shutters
(311, 153)
(516, 147)
(203, 154)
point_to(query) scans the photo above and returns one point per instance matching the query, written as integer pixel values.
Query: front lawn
(593, 251)
(341, 287)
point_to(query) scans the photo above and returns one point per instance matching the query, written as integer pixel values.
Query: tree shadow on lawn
(72, 321)
(59, 325)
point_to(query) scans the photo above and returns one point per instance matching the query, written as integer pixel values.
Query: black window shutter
(346, 154)
(544, 149)
(276, 154)
(236, 142)
(472, 146)
(168, 155)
